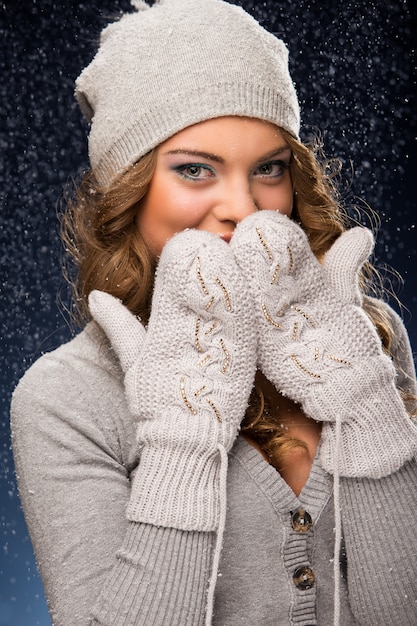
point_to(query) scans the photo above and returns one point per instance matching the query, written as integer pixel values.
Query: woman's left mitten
(318, 346)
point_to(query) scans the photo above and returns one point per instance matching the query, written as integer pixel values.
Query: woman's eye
(194, 171)
(272, 169)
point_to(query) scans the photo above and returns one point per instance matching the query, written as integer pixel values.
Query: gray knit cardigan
(76, 455)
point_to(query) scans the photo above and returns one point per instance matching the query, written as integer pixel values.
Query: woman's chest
(277, 557)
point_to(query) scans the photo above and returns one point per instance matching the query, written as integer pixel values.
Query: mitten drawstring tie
(220, 533)
(338, 523)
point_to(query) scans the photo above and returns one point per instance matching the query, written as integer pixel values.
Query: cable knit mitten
(319, 347)
(188, 378)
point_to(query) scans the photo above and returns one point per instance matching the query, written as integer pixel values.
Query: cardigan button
(301, 521)
(304, 578)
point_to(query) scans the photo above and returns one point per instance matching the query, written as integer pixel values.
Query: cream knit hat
(161, 69)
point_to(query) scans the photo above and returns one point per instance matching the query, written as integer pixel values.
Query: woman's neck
(296, 464)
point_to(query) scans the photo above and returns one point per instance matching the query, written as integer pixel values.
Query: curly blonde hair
(101, 237)
(100, 234)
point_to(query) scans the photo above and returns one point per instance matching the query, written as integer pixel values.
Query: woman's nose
(236, 203)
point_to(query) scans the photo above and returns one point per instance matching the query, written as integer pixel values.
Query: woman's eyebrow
(198, 153)
(273, 153)
(218, 159)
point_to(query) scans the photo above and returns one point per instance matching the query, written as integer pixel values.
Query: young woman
(229, 440)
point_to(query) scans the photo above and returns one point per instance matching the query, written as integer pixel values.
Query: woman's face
(210, 176)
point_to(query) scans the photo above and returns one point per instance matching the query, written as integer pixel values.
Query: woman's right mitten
(190, 382)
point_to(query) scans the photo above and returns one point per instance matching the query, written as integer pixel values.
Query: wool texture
(318, 346)
(178, 63)
(77, 460)
(189, 381)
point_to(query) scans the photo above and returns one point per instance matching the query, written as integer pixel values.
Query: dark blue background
(355, 73)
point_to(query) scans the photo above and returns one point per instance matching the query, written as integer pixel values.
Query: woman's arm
(379, 532)
(378, 528)
(322, 350)
(186, 385)
(401, 351)
(74, 447)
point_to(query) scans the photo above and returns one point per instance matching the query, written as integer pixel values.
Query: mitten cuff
(375, 447)
(177, 488)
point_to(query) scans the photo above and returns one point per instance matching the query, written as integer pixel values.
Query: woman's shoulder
(69, 412)
(85, 357)
(78, 386)
(400, 348)
(399, 331)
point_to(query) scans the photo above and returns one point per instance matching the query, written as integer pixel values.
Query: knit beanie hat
(161, 69)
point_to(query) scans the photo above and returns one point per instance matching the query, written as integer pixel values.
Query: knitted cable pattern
(188, 378)
(318, 346)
